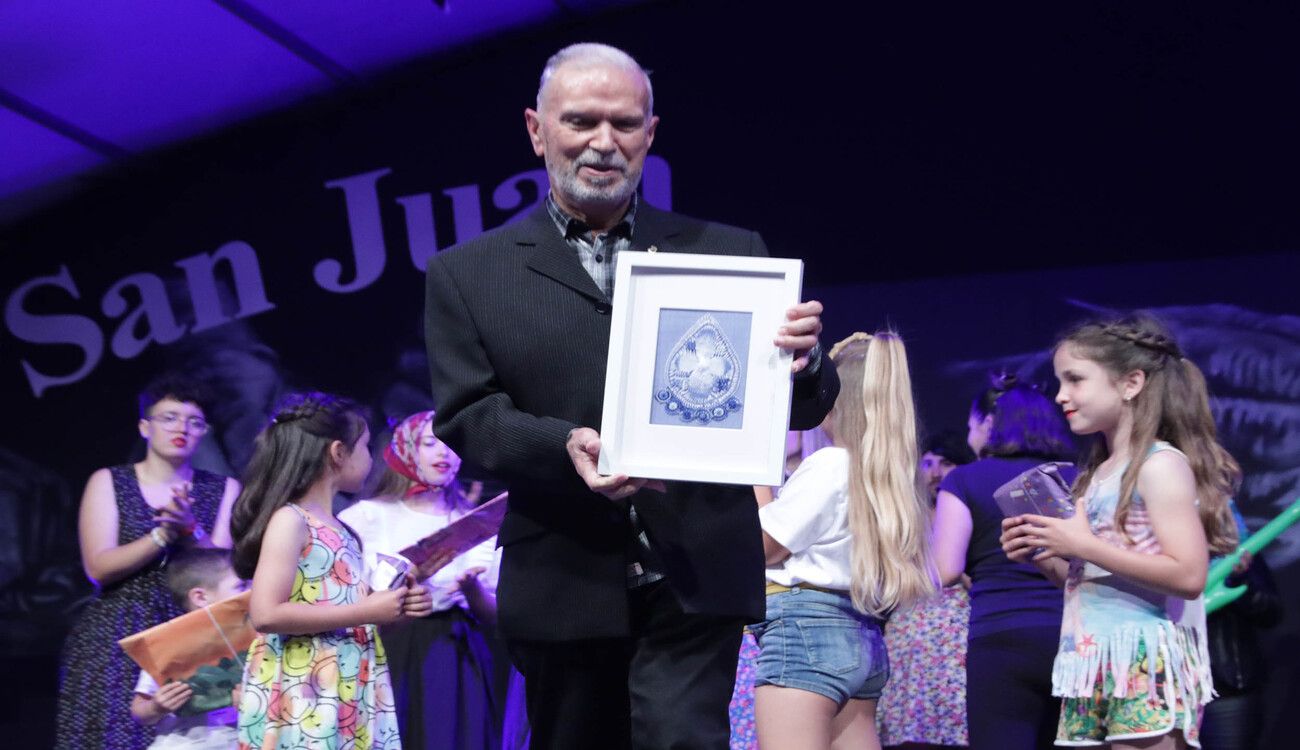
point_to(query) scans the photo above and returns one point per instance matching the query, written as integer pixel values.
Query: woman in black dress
(131, 517)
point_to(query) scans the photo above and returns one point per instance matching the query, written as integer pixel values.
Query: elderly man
(621, 600)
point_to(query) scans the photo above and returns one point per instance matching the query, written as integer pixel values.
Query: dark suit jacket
(518, 335)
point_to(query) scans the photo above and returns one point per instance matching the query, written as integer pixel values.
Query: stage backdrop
(932, 178)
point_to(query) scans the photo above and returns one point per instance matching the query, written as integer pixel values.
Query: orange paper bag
(204, 649)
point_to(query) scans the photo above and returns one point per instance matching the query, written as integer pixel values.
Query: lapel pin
(652, 249)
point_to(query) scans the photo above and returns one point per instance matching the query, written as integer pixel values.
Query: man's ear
(144, 428)
(533, 121)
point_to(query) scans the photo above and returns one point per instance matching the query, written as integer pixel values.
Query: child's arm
(150, 709)
(1168, 488)
(269, 607)
(481, 603)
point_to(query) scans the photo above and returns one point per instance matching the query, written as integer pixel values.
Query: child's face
(438, 462)
(174, 428)
(1092, 399)
(356, 466)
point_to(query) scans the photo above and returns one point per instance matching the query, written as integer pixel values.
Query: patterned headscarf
(403, 452)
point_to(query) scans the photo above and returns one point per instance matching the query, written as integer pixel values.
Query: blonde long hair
(889, 517)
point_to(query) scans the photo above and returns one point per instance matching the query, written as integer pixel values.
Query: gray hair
(593, 52)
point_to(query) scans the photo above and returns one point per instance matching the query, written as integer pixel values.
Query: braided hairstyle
(1173, 406)
(289, 455)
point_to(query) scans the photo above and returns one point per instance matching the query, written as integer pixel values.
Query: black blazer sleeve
(474, 416)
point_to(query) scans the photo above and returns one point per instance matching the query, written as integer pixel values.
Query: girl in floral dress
(318, 678)
(1152, 502)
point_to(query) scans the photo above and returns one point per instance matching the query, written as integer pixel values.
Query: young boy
(196, 578)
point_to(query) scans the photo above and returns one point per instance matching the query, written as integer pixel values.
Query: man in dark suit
(621, 600)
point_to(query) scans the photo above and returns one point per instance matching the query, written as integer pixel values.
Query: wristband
(157, 536)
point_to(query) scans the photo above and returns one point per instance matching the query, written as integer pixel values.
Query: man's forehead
(582, 79)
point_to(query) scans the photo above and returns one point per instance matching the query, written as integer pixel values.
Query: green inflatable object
(1217, 593)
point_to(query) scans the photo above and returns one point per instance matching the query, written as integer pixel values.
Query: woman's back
(1004, 594)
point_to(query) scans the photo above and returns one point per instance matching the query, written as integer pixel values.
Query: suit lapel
(655, 228)
(553, 258)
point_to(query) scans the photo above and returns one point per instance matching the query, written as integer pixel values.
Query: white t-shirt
(214, 729)
(811, 519)
(389, 526)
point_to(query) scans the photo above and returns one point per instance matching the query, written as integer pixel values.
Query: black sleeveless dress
(97, 679)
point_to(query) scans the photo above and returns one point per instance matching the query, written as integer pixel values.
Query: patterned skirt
(925, 699)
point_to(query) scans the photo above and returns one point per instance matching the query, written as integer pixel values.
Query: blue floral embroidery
(703, 375)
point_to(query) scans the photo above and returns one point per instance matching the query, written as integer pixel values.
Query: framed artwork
(695, 389)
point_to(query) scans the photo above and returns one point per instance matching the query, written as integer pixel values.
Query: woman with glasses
(132, 516)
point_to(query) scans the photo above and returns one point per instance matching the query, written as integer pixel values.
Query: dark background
(976, 177)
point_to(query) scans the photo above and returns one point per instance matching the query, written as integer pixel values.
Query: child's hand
(1052, 537)
(172, 696)
(418, 601)
(385, 607)
(469, 584)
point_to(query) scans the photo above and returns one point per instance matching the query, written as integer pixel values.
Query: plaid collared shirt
(599, 253)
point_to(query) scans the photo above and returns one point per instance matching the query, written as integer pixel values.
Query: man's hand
(799, 334)
(584, 450)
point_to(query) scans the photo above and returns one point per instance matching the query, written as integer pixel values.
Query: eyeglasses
(171, 420)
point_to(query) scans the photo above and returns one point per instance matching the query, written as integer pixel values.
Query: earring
(1128, 398)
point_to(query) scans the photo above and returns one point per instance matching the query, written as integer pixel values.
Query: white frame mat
(650, 282)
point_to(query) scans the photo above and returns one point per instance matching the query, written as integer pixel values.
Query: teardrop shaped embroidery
(702, 375)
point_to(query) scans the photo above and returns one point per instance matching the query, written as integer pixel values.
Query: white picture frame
(730, 307)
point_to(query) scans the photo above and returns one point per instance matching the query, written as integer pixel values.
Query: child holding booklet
(196, 578)
(319, 675)
(441, 665)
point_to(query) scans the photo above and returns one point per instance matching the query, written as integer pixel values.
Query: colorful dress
(96, 675)
(744, 735)
(925, 698)
(1133, 662)
(327, 691)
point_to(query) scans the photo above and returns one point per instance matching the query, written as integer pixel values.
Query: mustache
(593, 159)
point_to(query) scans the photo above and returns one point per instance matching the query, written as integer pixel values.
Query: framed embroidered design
(695, 389)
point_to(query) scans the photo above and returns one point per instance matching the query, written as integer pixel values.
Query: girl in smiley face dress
(318, 677)
(325, 690)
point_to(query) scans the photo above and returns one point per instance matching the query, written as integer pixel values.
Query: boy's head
(201, 576)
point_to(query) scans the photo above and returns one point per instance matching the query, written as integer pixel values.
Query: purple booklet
(1041, 491)
(433, 552)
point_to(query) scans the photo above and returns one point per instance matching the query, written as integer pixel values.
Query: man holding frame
(622, 600)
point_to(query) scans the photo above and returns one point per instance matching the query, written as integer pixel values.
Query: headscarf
(403, 453)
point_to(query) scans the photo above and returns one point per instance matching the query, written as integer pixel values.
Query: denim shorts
(816, 641)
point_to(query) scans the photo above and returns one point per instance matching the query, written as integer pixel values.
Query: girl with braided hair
(846, 543)
(319, 675)
(1151, 504)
